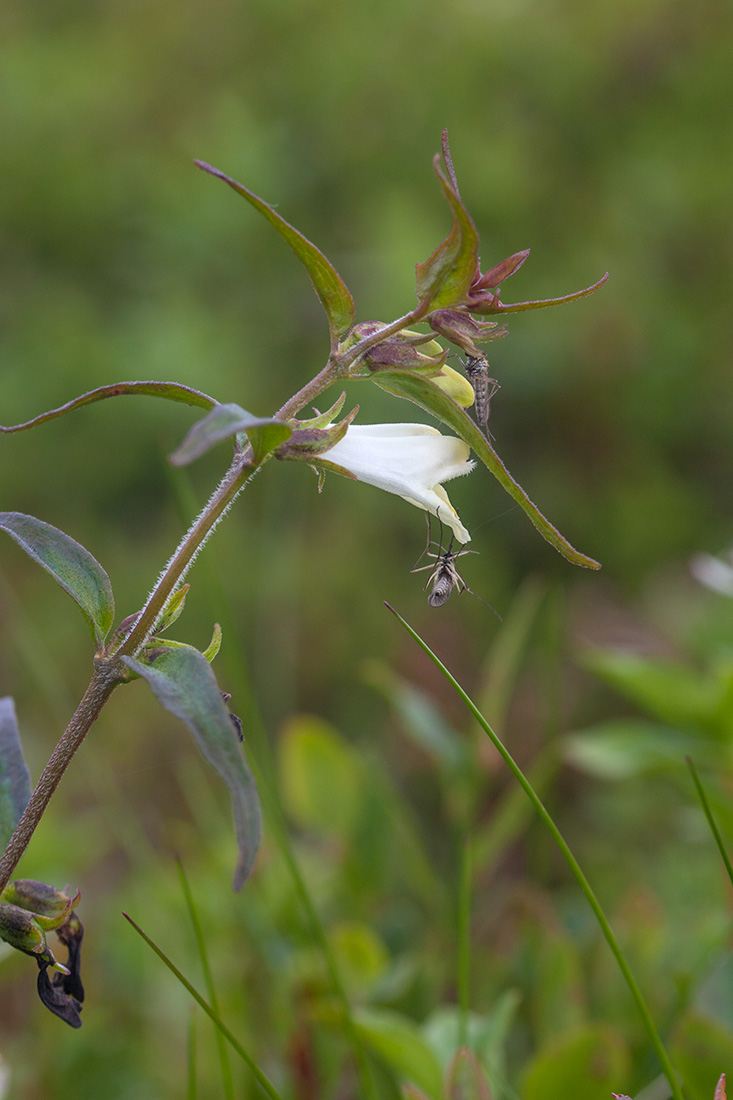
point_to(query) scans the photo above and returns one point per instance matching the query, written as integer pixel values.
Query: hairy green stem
(228, 489)
(105, 679)
(108, 672)
(236, 478)
(572, 862)
(339, 364)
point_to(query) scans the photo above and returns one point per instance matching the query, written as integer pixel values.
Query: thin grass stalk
(582, 881)
(711, 820)
(192, 1089)
(465, 890)
(224, 1063)
(260, 1077)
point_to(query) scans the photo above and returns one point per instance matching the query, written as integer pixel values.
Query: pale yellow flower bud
(456, 385)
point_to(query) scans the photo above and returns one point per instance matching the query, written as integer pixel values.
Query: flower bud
(399, 350)
(358, 332)
(35, 908)
(20, 930)
(49, 906)
(464, 331)
(307, 443)
(456, 386)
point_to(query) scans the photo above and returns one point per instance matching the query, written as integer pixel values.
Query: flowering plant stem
(572, 862)
(109, 670)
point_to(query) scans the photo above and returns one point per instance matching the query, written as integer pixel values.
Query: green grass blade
(711, 820)
(582, 881)
(509, 650)
(191, 1053)
(465, 883)
(226, 1069)
(264, 1082)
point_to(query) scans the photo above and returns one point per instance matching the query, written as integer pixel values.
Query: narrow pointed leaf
(444, 278)
(328, 284)
(214, 645)
(15, 779)
(221, 1027)
(173, 608)
(183, 683)
(265, 433)
(497, 306)
(69, 564)
(172, 391)
(711, 820)
(424, 392)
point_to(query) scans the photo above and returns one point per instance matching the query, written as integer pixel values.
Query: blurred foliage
(596, 135)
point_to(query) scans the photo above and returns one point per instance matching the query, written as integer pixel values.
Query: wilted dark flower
(30, 909)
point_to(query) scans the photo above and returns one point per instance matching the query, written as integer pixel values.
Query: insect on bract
(484, 388)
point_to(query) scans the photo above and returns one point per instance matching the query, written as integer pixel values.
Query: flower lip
(410, 460)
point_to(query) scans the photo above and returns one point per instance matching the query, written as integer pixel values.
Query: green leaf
(702, 1048)
(172, 391)
(15, 779)
(397, 1040)
(670, 691)
(321, 776)
(69, 564)
(590, 1063)
(328, 284)
(182, 681)
(420, 716)
(423, 391)
(444, 278)
(625, 748)
(265, 433)
(486, 1034)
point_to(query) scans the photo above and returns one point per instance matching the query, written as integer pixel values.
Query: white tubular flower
(410, 460)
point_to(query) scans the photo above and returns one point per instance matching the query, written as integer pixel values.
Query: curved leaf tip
(182, 681)
(332, 291)
(69, 563)
(224, 421)
(171, 391)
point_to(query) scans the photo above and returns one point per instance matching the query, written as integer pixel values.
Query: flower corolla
(410, 460)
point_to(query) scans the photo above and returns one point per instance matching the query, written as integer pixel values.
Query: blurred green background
(598, 135)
